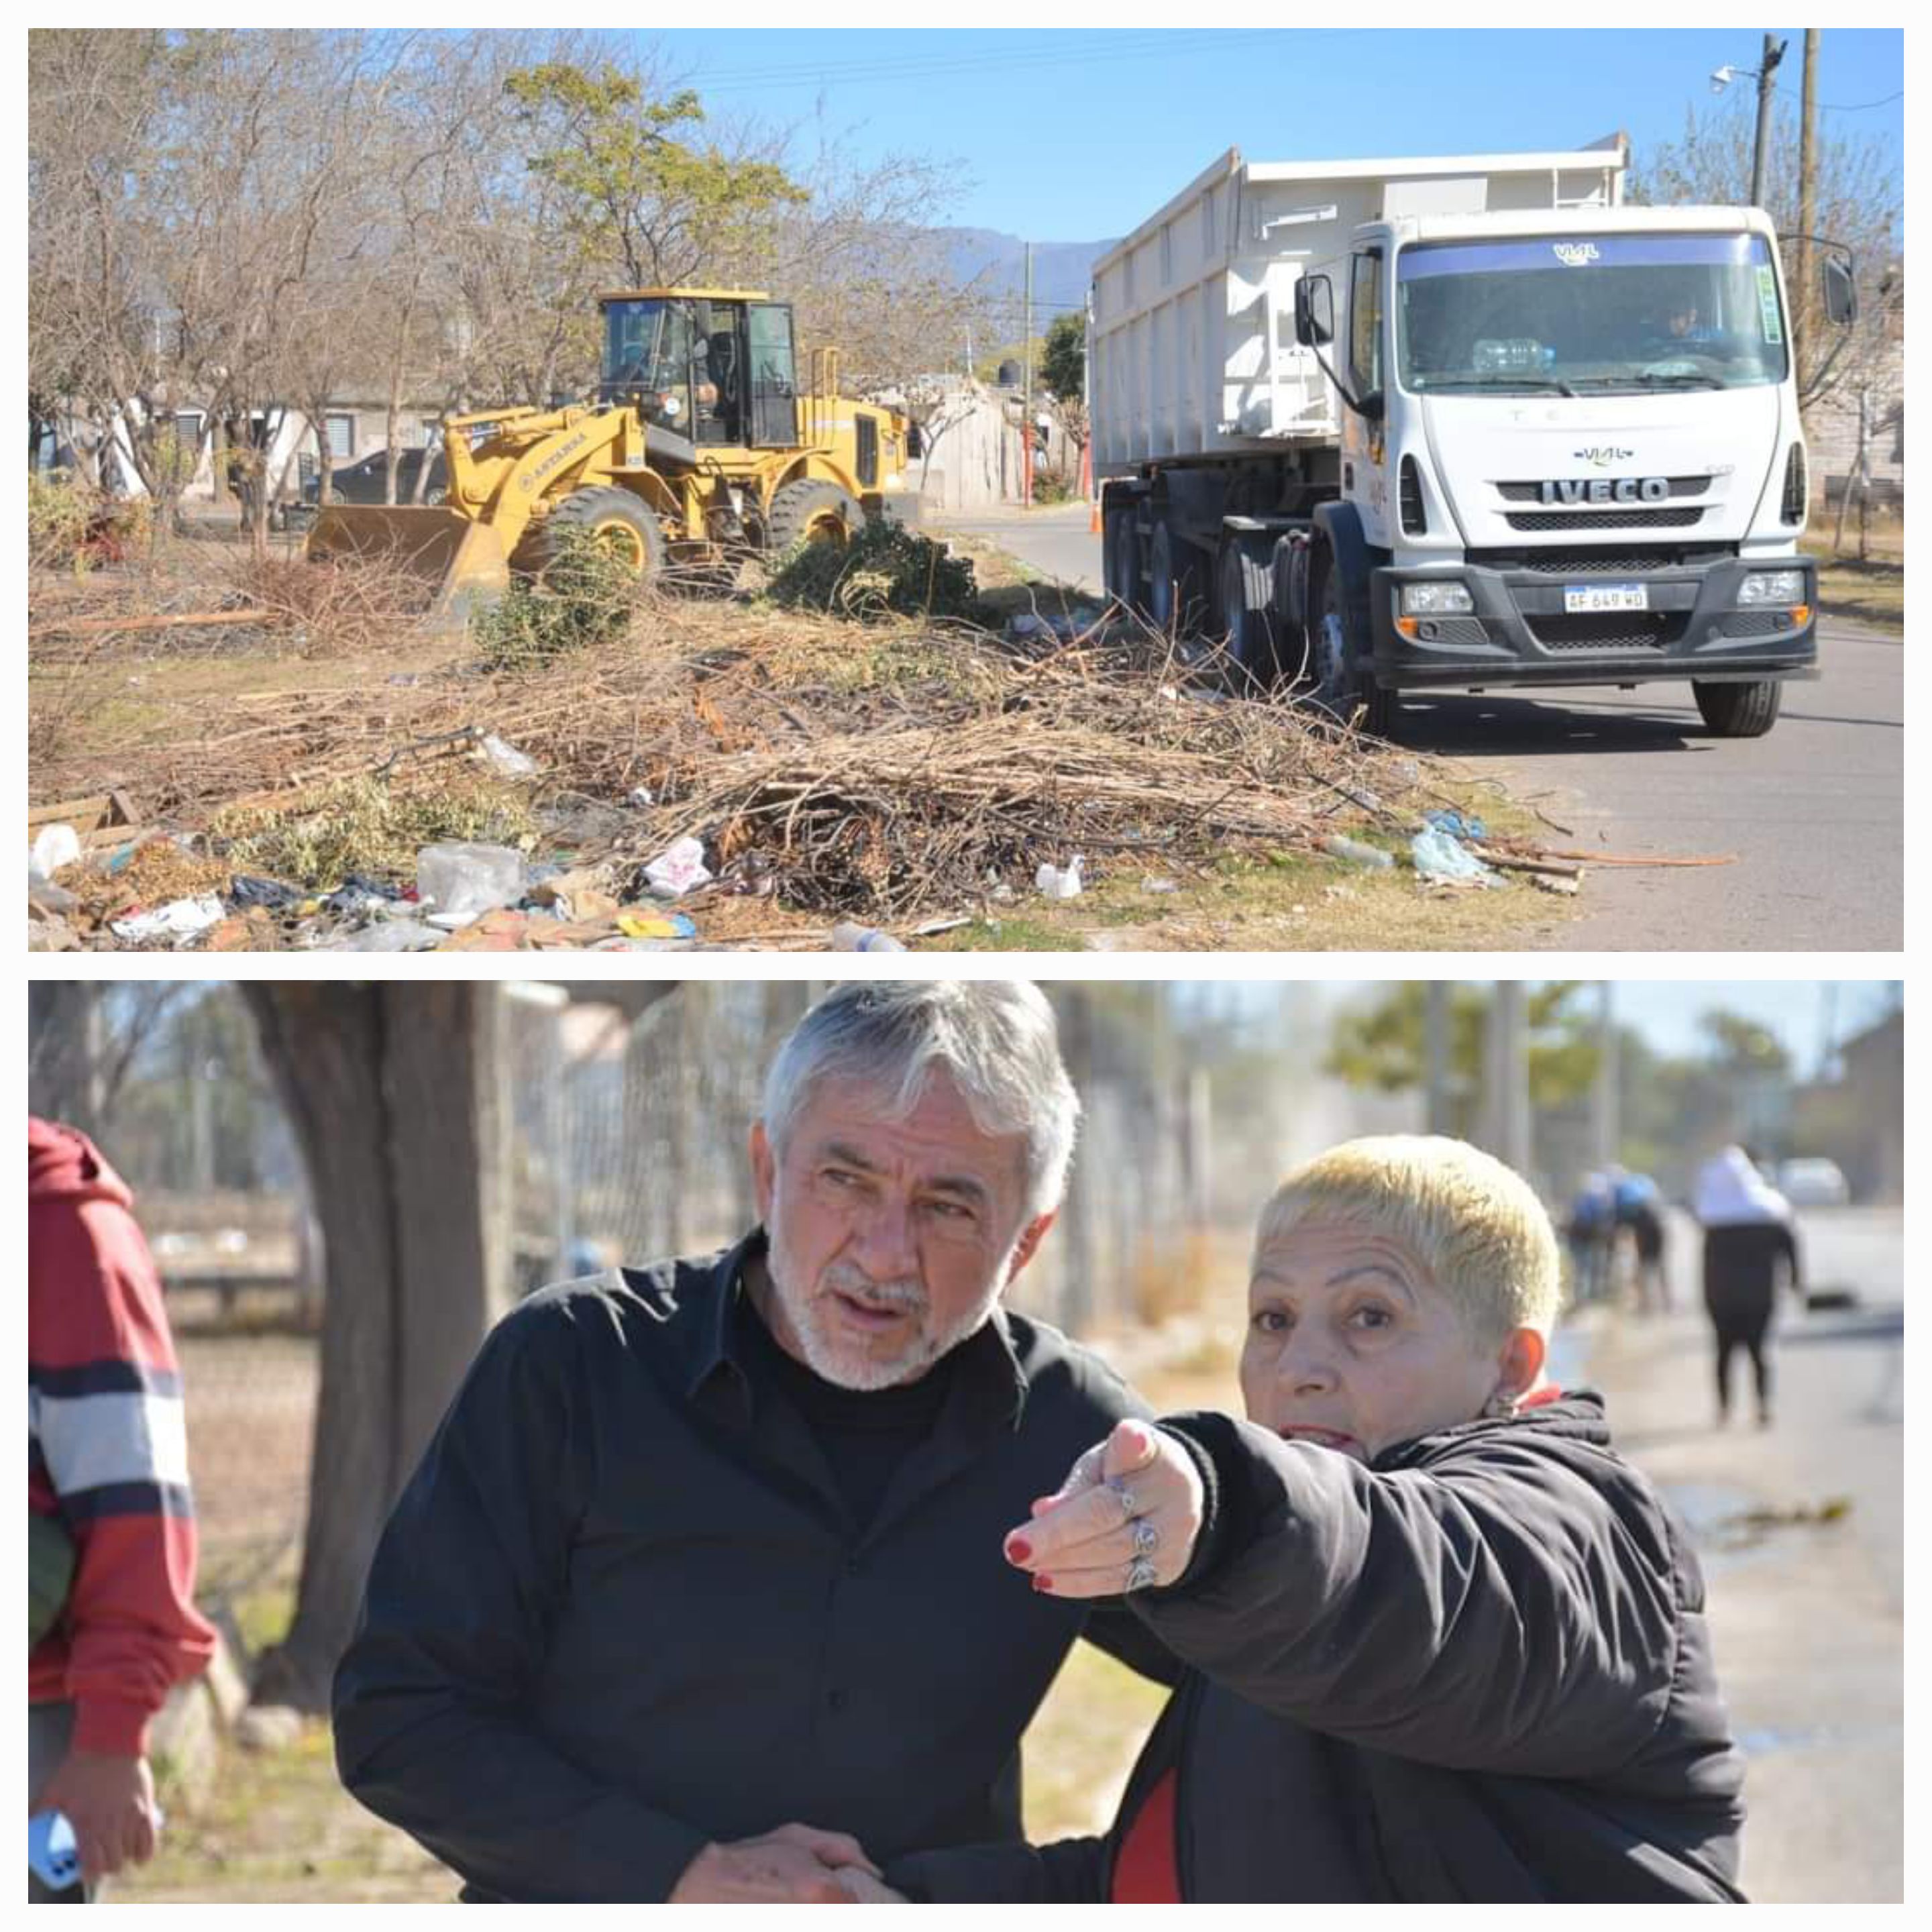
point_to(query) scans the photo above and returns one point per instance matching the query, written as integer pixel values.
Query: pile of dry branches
(893, 771)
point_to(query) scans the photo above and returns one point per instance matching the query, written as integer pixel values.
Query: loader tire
(811, 511)
(622, 522)
(1739, 710)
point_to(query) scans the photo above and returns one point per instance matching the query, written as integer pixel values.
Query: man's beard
(845, 1362)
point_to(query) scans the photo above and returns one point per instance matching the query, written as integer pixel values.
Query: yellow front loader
(700, 441)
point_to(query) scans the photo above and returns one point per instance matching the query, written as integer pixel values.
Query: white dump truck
(1459, 424)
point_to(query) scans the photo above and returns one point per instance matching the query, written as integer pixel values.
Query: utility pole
(1606, 1108)
(1807, 209)
(1508, 1058)
(1774, 52)
(1026, 412)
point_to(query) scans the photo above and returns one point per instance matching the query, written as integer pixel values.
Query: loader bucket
(463, 560)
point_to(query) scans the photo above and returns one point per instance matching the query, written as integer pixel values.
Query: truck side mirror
(1314, 311)
(915, 441)
(1841, 292)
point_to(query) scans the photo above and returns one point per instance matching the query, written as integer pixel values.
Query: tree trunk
(392, 1091)
(64, 1074)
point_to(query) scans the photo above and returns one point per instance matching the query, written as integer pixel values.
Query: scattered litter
(1160, 885)
(1356, 853)
(501, 929)
(464, 880)
(934, 927)
(656, 926)
(677, 869)
(1456, 826)
(640, 796)
(1002, 894)
(56, 846)
(848, 937)
(1545, 882)
(391, 935)
(506, 760)
(43, 895)
(180, 919)
(269, 894)
(1057, 883)
(1439, 856)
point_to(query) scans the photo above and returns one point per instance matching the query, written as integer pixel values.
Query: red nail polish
(1019, 1549)
(1043, 1583)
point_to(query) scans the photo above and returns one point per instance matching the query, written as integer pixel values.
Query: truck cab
(1570, 453)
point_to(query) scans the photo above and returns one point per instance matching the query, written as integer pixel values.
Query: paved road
(1814, 813)
(1808, 1618)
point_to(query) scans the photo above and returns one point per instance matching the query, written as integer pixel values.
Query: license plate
(1606, 597)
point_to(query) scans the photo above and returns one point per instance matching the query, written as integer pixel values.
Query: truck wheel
(811, 511)
(1343, 683)
(1739, 710)
(1174, 580)
(622, 524)
(1247, 609)
(1121, 558)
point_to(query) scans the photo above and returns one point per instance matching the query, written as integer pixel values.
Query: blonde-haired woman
(1443, 1643)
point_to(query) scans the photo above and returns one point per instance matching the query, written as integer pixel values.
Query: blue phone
(52, 1855)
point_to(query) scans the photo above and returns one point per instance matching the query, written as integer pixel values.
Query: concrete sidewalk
(1808, 1615)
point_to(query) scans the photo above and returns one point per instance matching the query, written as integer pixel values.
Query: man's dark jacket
(1477, 1670)
(621, 1610)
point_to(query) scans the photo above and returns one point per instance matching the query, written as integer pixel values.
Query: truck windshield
(1591, 314)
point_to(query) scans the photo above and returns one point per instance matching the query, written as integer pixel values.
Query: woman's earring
(1501, 1407)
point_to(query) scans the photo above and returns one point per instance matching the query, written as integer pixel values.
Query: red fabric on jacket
(1148, 1871)
(107, 1450)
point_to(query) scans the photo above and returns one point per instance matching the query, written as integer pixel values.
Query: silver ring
(1146, 1538)
(1140, 1573)
(1124, 1496)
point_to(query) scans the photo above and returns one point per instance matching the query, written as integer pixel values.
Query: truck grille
(1609, 631)
(1605, 559)
(1532, 493)
(1603, 519)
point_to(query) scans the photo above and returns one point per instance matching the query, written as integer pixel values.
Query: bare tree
(397, 1094)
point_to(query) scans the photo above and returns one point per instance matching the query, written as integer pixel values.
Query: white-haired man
(694, 1570)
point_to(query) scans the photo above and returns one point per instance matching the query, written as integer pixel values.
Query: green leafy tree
(1063, 364)
(641, 191)
(1385, 1046)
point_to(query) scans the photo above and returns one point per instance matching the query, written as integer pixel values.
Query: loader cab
(716, 368)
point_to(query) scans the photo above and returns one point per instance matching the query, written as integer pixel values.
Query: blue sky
(1069, 135)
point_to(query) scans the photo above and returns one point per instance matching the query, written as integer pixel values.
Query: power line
(1857, 107)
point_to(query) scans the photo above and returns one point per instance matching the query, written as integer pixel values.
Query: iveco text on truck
(1459, 424)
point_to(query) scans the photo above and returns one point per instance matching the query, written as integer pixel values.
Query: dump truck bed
(1193, 348)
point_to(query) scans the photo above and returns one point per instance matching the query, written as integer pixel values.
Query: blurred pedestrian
(1748, 1242)
(111, 1623)
(1591, 1228)
(1638, 1213)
